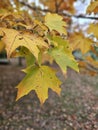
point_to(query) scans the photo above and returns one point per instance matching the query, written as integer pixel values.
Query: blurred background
(77, 107)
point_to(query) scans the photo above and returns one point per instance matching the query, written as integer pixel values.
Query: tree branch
(89, 65)
(56, 6)
(61, 13)
(60, 3)
(35, 8)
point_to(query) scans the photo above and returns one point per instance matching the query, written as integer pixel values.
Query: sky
(36, 1)
(81, 7)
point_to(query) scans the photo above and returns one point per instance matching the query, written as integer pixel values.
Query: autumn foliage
(48, 33)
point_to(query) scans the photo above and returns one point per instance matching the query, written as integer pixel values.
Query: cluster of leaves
(48, 39)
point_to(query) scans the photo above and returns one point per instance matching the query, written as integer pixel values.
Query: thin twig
(61, 13)
(89, 65)
(56, 6)
(60, 3)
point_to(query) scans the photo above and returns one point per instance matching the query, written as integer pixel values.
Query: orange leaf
(93, 29)
(93, 7)
(79, 41)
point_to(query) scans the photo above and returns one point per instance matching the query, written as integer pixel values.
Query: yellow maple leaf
(79, 41)
(46, 58)
(13, 39)
(2, 46)
(93, 29)
(39, 79)
(93, 7)
(55, 22)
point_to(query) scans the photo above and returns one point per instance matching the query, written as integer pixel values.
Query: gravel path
(76, 109)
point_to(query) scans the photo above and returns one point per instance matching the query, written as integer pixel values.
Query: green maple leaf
(64, 59)
(55, 22)
(62, 53)
(39, 79)
(58, 41)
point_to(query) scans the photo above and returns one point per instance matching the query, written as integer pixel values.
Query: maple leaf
(39, 79)
(58, 41)
(46, 58)
(62, 54)
(40, 28)
(93, 29)
(2, 46)
(93, 7)
(64, 59)
(13, 39)
(79, 41)
(55, 22)
(30, 59)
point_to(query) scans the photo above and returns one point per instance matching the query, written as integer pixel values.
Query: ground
(75, 109)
